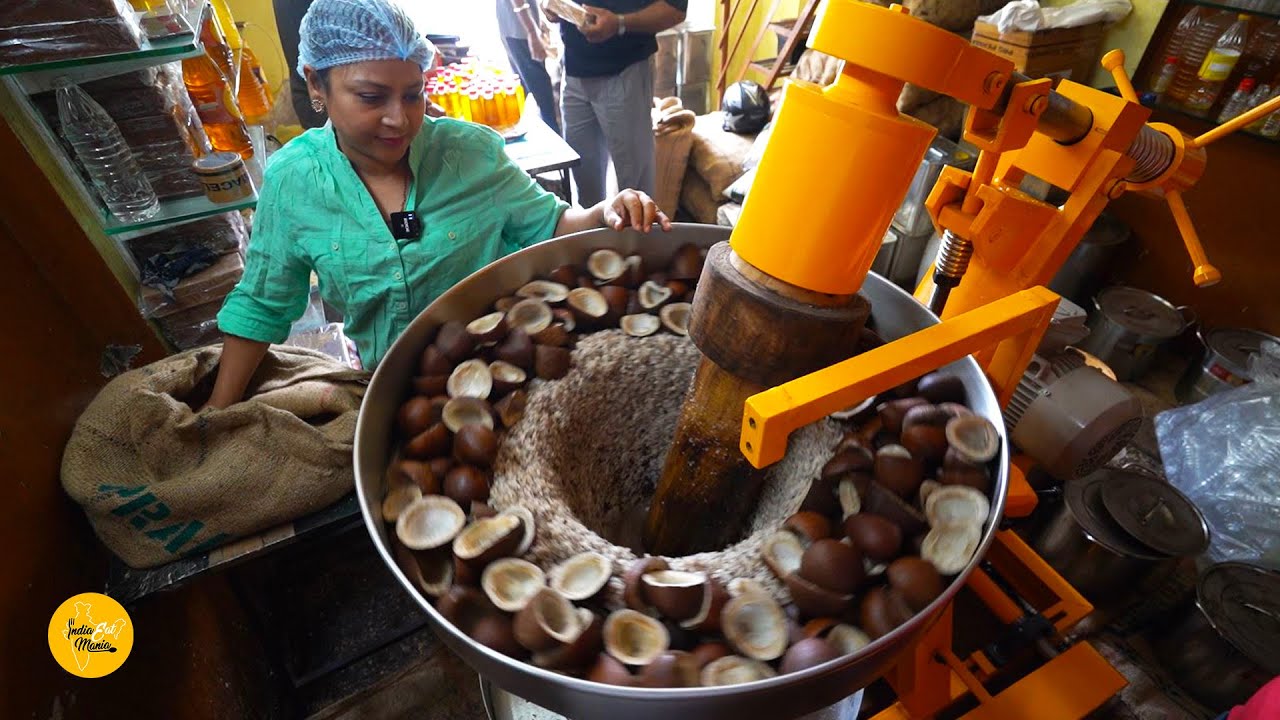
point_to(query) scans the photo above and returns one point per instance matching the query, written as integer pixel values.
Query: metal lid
(1140, 311)
(1155, 513)
(1083, 497)
(1242, 602)
(1235, 345)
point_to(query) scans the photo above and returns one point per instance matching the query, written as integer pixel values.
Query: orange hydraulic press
(999, 246)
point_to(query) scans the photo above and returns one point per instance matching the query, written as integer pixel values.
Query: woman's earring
(317, 104)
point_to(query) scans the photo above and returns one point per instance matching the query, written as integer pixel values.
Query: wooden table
(541, 150)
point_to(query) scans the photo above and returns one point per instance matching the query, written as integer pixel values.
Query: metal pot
(1223, 363)
(1082, 274)
(1127, 327)
(895, 314)
(1224, 648)
(1118, 529)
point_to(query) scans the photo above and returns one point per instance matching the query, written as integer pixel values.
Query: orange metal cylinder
(840, 160)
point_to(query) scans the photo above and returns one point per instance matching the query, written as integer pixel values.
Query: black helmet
(746, 107)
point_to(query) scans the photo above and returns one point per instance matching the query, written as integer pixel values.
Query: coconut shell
(634, 592)
(551, 363)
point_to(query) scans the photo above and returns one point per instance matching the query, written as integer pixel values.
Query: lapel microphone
(406, 226)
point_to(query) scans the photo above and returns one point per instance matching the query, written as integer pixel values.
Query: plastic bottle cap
(1171, 60)
(216, 162)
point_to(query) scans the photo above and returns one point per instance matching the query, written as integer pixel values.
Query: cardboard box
(568, 10)
(1070, 53)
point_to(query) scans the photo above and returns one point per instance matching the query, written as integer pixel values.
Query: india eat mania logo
(90, 635)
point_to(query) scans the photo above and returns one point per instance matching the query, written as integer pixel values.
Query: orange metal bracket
(1069, 686)
(771, 416)
(878, 39)
(995, 132)
(1021, 498)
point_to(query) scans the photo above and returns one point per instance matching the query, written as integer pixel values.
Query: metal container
(899, 257)
(1079, 278)
(912, 218)
(895, 314)
(682, 66)
(1223, 364)
(1127, 327)
(1228, 643)
(1117, 529)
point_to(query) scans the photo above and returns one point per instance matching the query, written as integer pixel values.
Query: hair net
(341, 32)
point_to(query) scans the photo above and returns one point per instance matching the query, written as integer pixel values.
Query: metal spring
(1152, 151)
(953, 255)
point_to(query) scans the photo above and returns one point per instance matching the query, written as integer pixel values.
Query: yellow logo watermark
(90, 635)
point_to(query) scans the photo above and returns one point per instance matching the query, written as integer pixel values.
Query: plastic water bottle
(1196, 41)
(1217, 66)
(1238, 102)
(105, 155)
(1271, 128)
(1261, 95)
(1182, 45)
(1165, 76)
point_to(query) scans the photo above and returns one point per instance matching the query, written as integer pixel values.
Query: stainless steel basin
(895, 314)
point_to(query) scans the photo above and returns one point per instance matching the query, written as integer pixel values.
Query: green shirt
(314, 214)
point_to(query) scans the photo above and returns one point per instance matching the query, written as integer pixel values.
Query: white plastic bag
(1029, 16)
(1224, 454)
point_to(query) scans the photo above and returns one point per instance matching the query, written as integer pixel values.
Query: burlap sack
(673, 137)
(159, 482)
(716, 156)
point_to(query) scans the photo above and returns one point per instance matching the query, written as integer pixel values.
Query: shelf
(1273, 14)
(174, 212)
(41, 77)
(1209, 124)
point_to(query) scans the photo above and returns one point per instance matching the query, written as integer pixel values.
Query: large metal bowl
(895, 314)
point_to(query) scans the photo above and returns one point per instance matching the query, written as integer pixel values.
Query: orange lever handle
(1113, 62)
(1206, 275)
(770, 416)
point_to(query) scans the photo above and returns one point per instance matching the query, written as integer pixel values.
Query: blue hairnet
(341, 32)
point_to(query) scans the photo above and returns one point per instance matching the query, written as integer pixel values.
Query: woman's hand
(634, 209)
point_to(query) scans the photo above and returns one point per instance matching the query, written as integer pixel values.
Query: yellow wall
(1131, 35)
(261, 35)
(740, 28)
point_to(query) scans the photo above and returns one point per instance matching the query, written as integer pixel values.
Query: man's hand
(546, 13)
(601, 24)
(537, 50)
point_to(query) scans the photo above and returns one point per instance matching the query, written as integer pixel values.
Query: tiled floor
(441, 688)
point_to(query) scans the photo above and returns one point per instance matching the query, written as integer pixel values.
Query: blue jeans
(534, 77)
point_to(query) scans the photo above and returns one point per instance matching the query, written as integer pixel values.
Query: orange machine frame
(997, 312)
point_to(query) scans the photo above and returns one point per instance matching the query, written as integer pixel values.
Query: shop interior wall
(740, 27)
(261, 34)
(1231, 208)
(1130, 35)
(63, 305)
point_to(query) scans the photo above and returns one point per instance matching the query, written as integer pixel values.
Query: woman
(388, 208)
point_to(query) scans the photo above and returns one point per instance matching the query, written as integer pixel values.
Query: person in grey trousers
(608, 91)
